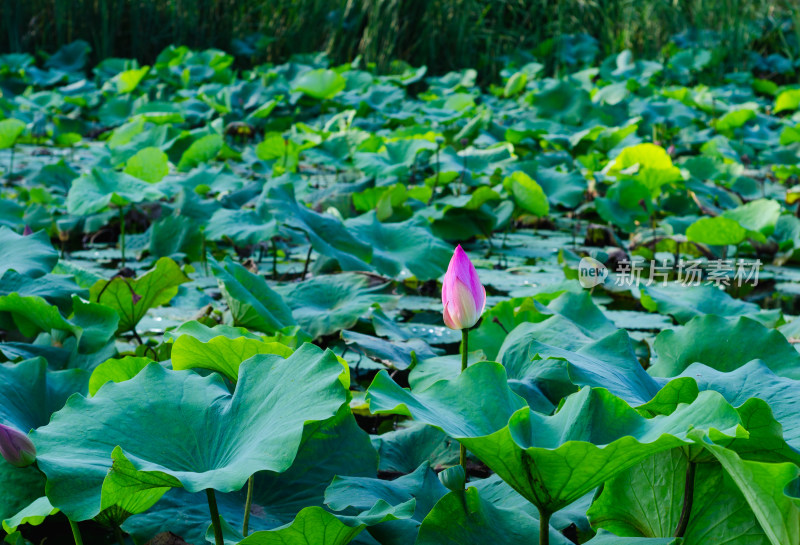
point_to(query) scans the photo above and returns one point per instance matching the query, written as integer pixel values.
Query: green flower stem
(247, 505)
(122, 234)
(212, 507)
(464, 354)
(544, 527)
(76, 532)
(688, 498)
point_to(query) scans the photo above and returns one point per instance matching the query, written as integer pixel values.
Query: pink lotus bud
(27, 231)
(15, 447)
(463, 296)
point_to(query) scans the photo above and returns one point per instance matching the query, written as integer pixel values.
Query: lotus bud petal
(16, 447)
(463, 296)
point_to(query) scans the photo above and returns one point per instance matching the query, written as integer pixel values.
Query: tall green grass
(442, 34)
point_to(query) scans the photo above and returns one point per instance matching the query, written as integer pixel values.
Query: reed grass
(442, 34)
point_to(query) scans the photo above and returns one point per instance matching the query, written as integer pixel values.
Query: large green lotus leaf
(10, 129)
(31, 393)
(326, 304)
(116, 370)
(788, 99)
(19, 488)
(763, 486)
(607, 538)
(92, 324)
(535, 453)
(241, 226)
(527, 193)
(320, 84)
(30, 255)
(608, 363)
(755, 379)
(221, 354)
(127, 491)
(646, 501)
(716, 231)
(760, 215)
(496, 491)
(316, 526)
(149, 165)
(575, 322)
(685, 302)
(202, 150)
(253, 304)
(277, 497)
(176, 237)
(394, 354)
(654, 168)
(258, 427)
(404, 248)
(562, 187)
(153, 289)
(490, 334)
(723, 344)
(57, 289)
(95, 191)
(465, 518)
(361, 493)
(327, 234)
(621, 205)
(71, 57)
(33, 514)
(403, 450)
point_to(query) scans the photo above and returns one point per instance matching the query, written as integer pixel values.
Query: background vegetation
(442, 34)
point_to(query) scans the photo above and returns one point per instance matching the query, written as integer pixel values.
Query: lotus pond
(222, 294)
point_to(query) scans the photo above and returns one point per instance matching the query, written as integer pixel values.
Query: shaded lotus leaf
(56, 289)
(327, 234)
(99, 189)
(404, 248)
(686, 302)
(534, 453)
(465, 518)
(359, 493)
(252, 303)
(394, 354)
(277, 497)
(646, 501)
(241, 226)
(621, 205)
(403, 450)
(30, 255)
(763, 486)
(326, 304)
(131, 298)
(258, 427)
(92, 324)
(759, 216)
(755, 379)
(31, 393)
(723, 344)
